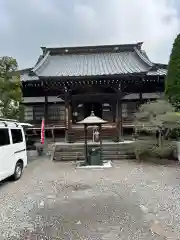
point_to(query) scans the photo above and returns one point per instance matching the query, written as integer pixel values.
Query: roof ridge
(91, 49)
(41, 62)
(143, 57)
(93, 46)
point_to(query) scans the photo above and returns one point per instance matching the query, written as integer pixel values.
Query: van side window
(4, 137)
(16, 135)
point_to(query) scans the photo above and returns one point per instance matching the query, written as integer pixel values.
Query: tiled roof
(25, 76)
(159, 72)
(93, 61)
(92, 64)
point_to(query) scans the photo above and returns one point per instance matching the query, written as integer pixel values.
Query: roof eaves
(87, 77)
(25, 70)
(41, 62)
(161, 65)
(143, 57)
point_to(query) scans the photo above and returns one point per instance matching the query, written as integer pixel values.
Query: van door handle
(20, 151)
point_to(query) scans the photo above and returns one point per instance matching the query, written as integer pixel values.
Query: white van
(13, 155)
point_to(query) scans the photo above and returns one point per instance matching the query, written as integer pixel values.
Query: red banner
(42, 131)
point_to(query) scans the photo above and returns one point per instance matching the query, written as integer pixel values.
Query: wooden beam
(94, 96)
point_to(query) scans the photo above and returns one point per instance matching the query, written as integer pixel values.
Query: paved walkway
(55, 201)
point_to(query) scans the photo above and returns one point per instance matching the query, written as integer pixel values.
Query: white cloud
(86, 18)
(5, 23)
(85, 22)
(46, 8)
(125, 21)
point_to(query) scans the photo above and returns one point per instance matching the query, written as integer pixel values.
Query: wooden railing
(78, 133)
(127, 122)
(49, 124)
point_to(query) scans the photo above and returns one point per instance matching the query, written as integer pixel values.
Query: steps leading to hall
(75, 152)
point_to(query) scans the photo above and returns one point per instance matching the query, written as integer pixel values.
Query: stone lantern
(92, 120)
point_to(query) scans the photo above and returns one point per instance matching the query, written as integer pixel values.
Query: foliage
(149, 151)
(172, 87)
(175, 134)
(140, 148)
(149, 111)
(10, 89)
(157, 117)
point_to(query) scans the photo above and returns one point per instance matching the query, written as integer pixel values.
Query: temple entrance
(96, 107)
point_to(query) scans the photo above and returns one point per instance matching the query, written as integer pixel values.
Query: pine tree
(172, 84)
(10, 89)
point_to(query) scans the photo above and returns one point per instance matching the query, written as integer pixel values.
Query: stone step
(107, 149)
(82, 158)
(75, 152)
(75, 157)
(107, 153)
(68, 158)
(81, 147)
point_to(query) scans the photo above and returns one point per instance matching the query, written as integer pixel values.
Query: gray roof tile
(24, 76)
(93, 61)
(92, 64)
(159, 72)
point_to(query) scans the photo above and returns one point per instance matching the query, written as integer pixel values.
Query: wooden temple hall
(66, 84)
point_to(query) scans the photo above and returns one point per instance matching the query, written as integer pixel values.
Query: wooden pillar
(73, 109)
(46, 109)
(140, 98)
(140, 101)
(140, 93)
(86, 147)
(113, 104)
(52, 133)
(70, 114)
(67, 114)
(100, 140)
(66, 118)
(119, 119)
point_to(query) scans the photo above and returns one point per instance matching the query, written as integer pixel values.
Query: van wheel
(18, 171)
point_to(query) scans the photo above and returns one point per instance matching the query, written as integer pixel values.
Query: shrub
(157, 117)
(162, 152)
(175, 134)
(141, 148)
(149, 151)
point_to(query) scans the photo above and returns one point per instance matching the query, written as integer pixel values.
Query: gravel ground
(56, 201)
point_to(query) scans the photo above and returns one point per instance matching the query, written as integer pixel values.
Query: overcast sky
(26, 25)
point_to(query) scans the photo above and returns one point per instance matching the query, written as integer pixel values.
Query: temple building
(67, 83)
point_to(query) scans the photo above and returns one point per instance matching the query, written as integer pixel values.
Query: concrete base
(107, 164)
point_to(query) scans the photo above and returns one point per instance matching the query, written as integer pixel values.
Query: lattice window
(56, 112)
(38, 112)
(107, 112)
(28, 113)
(124, 110)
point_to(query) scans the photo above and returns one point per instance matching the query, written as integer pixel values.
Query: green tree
(172, 84)
(157, 116)
(158, 119)
(10, 89)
